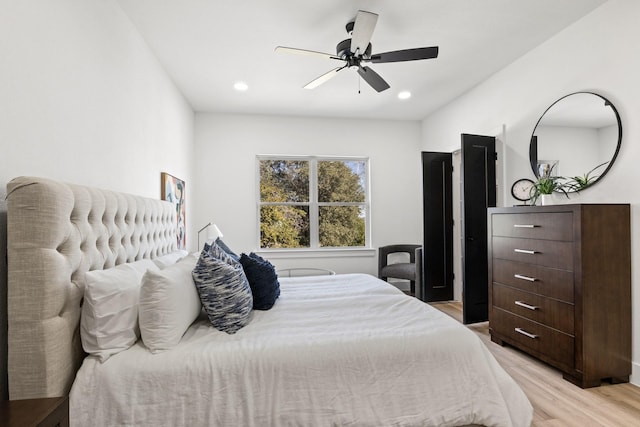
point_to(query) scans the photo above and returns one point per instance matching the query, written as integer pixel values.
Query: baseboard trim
(635, 374)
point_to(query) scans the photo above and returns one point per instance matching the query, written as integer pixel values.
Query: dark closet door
(437, 276)
(478, 193)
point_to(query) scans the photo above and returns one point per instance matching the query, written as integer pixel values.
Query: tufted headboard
(56, 232)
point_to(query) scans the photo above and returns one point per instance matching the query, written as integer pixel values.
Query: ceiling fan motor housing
(343, 50)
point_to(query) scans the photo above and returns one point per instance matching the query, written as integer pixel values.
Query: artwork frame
(172, 189)
(548, 168)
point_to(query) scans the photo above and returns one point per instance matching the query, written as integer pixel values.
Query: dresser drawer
(550, 312)
(552, 343)
(549, 282)
(546, 226)
(547, 253)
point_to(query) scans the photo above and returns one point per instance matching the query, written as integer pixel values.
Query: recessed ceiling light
(241, 86)
(404, 94)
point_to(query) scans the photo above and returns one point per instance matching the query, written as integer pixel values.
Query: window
(313, 202)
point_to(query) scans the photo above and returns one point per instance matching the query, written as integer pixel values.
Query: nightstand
(47, 412)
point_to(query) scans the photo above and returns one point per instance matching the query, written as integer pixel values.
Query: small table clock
(521, 190)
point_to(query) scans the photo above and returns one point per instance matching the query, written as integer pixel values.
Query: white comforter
(344, 350)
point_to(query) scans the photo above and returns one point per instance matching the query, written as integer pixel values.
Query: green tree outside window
(313, 202)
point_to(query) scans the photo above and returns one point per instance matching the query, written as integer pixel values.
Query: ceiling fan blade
(405, 55)
(363, 28)
(296, 51)
(373, 78)
(323, 78)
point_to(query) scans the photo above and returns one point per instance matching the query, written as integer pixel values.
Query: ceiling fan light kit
(357, 49)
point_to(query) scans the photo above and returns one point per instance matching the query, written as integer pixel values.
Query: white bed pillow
(109, 320)
(170, 258)
(169, 303)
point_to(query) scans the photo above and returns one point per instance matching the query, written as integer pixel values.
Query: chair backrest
(384, 251)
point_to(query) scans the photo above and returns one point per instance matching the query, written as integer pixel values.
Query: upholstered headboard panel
(56, 232)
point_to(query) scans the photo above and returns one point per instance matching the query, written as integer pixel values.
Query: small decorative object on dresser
(560, 287)
(521, 190)
(547, 184)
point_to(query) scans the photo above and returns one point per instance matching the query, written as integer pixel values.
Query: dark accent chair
(411, 270)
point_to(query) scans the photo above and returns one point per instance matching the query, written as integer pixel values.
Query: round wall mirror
(577, 138)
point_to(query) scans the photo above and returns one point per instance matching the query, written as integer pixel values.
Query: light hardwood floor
(557, 402)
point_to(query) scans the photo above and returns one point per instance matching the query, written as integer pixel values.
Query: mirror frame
(533, 162)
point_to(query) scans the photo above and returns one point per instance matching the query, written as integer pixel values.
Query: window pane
(341, 181)
(284, 227)
(284, 181)
(342, 225)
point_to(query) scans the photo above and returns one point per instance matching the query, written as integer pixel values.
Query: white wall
(83, 100)
(227, 146)
(596, 54)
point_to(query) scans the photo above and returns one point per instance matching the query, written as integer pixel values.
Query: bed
(344, 349)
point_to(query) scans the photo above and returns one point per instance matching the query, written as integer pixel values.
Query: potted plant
(547, 184)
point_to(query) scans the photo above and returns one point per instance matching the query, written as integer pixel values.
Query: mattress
(344, 350)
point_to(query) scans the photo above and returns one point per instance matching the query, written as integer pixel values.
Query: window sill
(317, 253)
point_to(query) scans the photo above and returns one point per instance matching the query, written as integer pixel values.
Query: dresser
(560, 287)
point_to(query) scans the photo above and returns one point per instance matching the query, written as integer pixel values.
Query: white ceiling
(208, 45)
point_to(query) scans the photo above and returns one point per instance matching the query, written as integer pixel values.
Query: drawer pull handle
(525, 251)
(525, 226)
(525, 305)
(523, 277)
(525, 333)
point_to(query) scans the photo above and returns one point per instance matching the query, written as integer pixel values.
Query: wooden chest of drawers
(560, 287)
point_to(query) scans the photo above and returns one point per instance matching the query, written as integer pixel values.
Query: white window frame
(314, 205)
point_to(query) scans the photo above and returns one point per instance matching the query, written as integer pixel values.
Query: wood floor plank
(556, 402)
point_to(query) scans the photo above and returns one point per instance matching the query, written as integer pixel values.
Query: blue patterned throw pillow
(217, 251)
(227, 249)
(262, 279)
(224, 290)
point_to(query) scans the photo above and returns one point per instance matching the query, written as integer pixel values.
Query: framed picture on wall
(172, 190)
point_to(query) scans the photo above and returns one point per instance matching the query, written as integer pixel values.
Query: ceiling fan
(357, 50)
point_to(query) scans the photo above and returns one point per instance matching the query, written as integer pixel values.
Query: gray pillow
(223, 289)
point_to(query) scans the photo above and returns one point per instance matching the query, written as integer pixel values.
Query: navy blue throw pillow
(263, 280)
